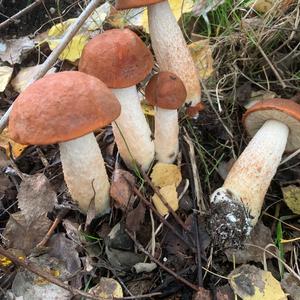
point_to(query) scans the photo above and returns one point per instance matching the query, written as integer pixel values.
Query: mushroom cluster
(236, 206)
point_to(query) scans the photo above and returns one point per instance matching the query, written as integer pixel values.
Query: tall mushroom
(236, 206)
(121, 60)
(169, 45)
(65, 108)
(167, 93)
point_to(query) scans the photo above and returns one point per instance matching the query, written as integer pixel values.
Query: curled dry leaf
(9, 145)
(291, 196)
(166, 174)
(107, 288)
(120, 190)
(36, 196)
(202, 56)
(170, 195)
(5, 75)
(25, 234)
(252, 283)
(15, 50)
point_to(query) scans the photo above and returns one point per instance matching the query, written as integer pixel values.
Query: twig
(162, 220)
(162, 198)
(52, 58)
(57, 220)
(178, 277)
(19, 14)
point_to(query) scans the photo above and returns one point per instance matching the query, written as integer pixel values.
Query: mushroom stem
(131, 130)
(166, 134)
(84, 168)
(170, 49)
(239, 201)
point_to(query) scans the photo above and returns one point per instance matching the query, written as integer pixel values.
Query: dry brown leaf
(36, 196)
(135, 218)
(202, 56)
(120, 190)
(7, 144)
(252, 283)
(107, 288)
(170, 195)
(202, 294)
(291, 286)
(264, 6)
(291, 196)
(25, 234)
(166, 174)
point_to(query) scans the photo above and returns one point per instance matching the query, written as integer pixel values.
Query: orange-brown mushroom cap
(118, 57)
(127, 4)
(165, 90)
(61, 107)
(282, 110)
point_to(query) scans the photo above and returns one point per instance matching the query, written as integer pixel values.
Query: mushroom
(236, 206)
(121, 60)
(65, 108)
(169, 46)
(167, 93)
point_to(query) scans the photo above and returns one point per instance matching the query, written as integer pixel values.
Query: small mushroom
(65, 108)
(167, 93)
(236, 206)
(121, 60)
(169, 46)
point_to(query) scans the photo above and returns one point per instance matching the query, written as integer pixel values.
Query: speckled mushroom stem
(131, 130)
(83, 168)
(170, 49)
(239, 201)
(166, 134)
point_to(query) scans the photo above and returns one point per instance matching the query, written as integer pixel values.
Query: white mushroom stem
(170, 49)
(83, 169)
(251, 175)
(131, 130)
(166, 134)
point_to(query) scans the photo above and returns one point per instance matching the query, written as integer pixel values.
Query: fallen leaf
(120, 190)
(203, 6)
(264, 6)
(224, 293)
(15, 50)
(291, 196)
(27, 285)
(7, 144)
(136, 217)
(144, 267)
(95, 21)
(291, 286)
(252, 283)
(26, 76)
(25, 234)
(202, 294)
(202, 56)
(5, 75)
(166, 174)
(139, 16)
(107, 288)
(260, 236)
(36, 196)
(73, 50)
(6, 262)
(148, 109)
(170, 195)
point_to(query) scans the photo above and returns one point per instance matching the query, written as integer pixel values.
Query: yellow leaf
(252, 283)
(170, 195)
(74, 49)
(165, 174)
(26, 76)
(148, 109)
(139, 16)
(264, 6)
(107, 288)
(6, 142)
(291, 196)
(5, 75)
(202, 56)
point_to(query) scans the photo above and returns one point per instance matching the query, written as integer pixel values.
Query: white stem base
(170, 49)
(166, 135)
(131, 130)
(251, 174)
(83, 168)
